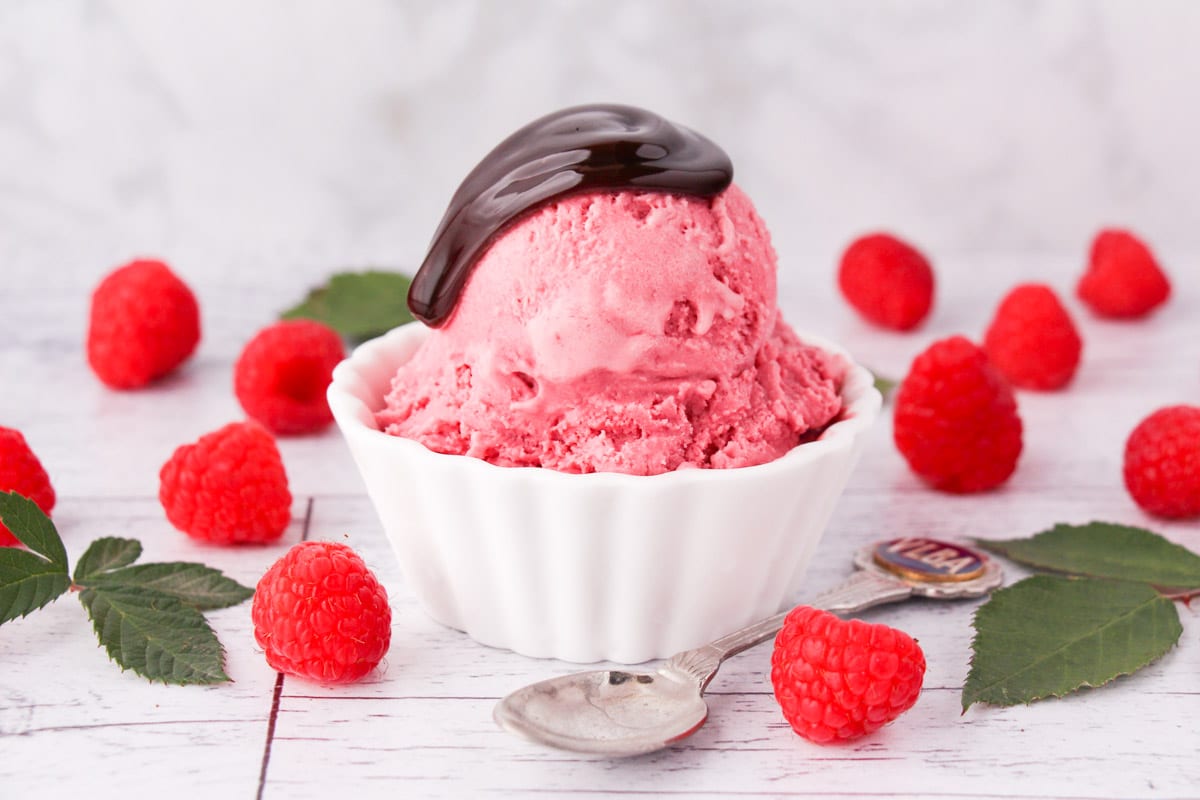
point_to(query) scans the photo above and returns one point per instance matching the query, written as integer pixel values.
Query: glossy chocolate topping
(578, 149)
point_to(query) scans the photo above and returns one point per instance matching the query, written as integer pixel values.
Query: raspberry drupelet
(228, 487)
(144, 323)
(841, 679)
(282, 374)
(956, 420)
(887, 280)
(1032, 339)
(1162, 462)
(1123, 278)
(319, 613)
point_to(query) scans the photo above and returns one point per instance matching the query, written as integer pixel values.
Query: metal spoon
(617, 713)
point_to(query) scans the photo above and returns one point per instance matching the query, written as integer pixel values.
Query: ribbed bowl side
(593, 567)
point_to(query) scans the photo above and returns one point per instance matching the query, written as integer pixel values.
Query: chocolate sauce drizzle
(574, 150)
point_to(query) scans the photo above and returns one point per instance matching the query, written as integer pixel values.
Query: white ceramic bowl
(593, 567)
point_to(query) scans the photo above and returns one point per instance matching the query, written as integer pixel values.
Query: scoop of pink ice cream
(619, 332)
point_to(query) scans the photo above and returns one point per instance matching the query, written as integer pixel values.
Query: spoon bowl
(606, 712)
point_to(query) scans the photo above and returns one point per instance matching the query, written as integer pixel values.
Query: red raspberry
(1032, 339)
(1123, 279)
(887, 280)
(281, 377)
(956, 419)
(21, 472)
(1162, 462)
(229, 487)
(320, 614)
(841, 679)
(144, 323)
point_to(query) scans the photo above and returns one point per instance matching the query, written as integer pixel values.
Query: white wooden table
(72, 724)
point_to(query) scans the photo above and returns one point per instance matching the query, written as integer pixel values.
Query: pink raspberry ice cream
(619, 332)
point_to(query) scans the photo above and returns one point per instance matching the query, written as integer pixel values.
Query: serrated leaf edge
(317, 294)
(23, 506)
(220, 676)
(997, 547)
(82, 577)
(967, 703)
(113, 580)
(31, 605)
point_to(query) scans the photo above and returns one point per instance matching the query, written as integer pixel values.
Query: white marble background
(251, 139)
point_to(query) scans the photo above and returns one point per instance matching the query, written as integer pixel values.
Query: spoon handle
(861, 590)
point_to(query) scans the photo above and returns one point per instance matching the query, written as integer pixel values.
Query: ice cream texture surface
(619, 331)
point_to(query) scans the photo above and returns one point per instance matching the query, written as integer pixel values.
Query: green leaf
(32, 527)
(885, 386)
(194, 585)
(28, 582)
(1105, 550)
(155, 635)
(104, 555)
(358, 305)
(29, 579)
(1047, 636)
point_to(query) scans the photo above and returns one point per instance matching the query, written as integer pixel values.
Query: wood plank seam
(278, 691)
